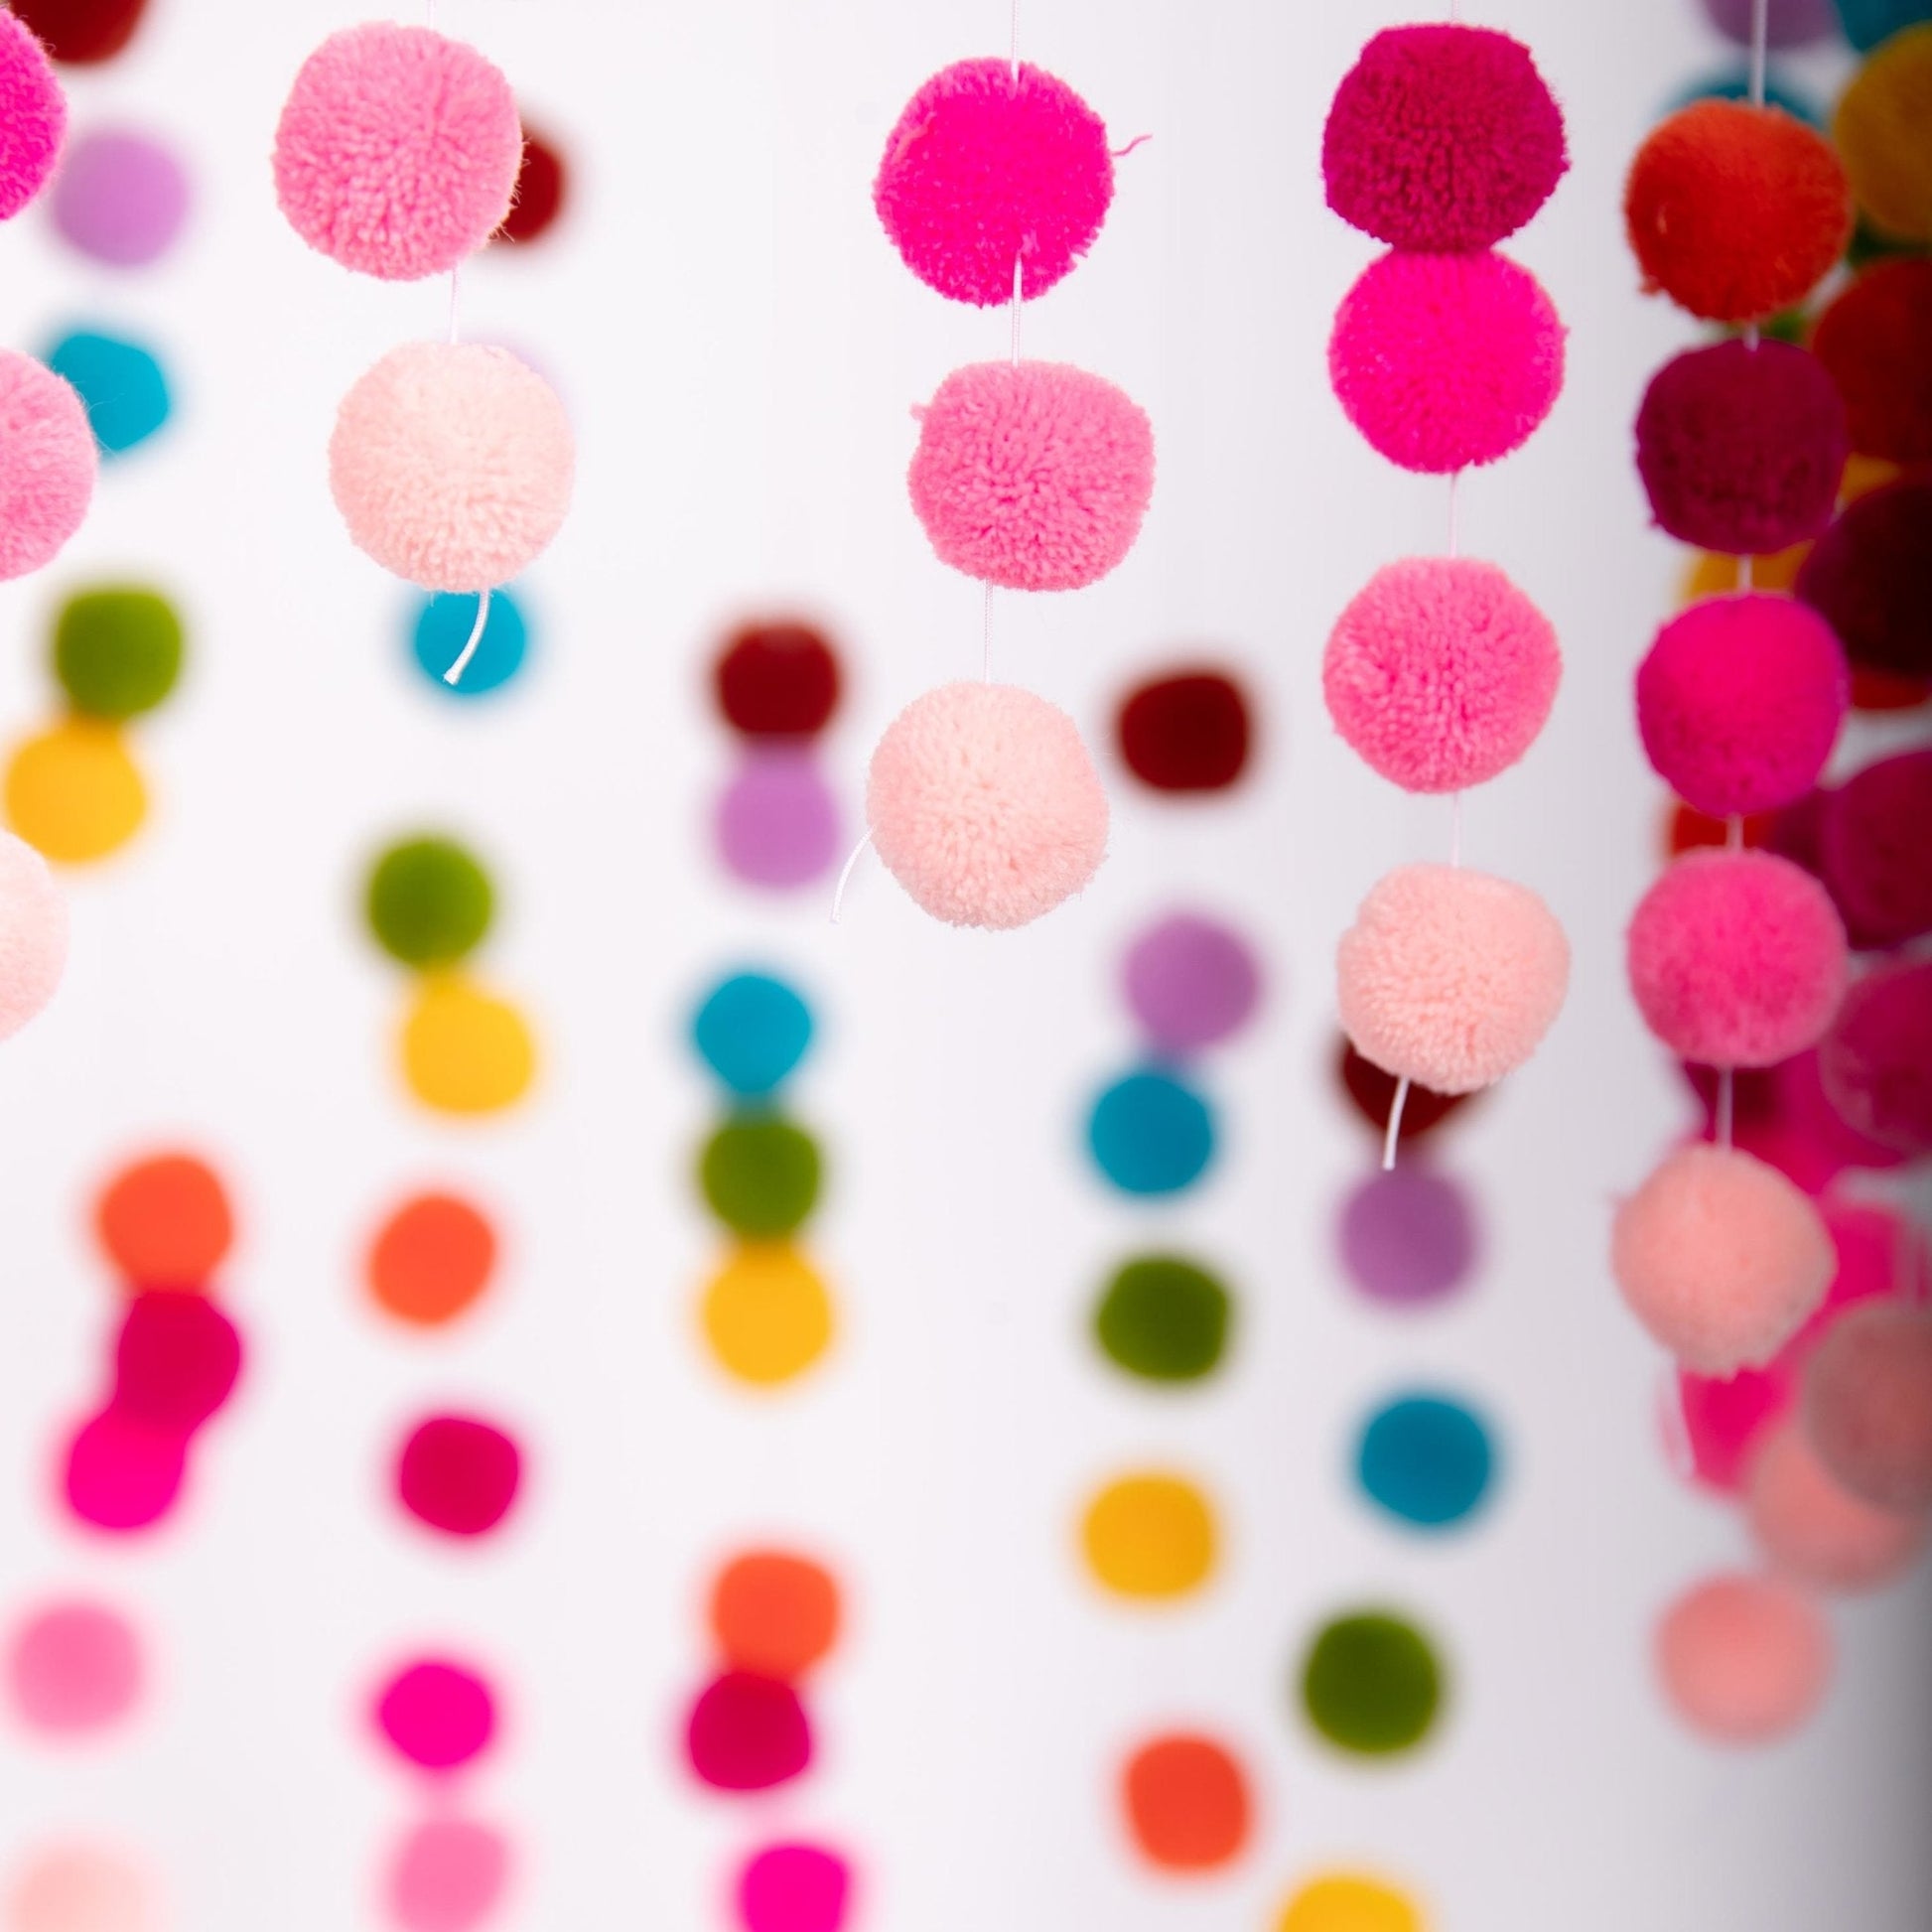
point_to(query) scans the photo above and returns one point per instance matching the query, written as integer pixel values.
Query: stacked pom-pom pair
(1028, 476)
(1442, 141)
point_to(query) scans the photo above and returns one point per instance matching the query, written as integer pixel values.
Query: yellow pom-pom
(767, 1314)
(1150, 1536)
(74, 793)
(1883, 132)
(465, 1051)
(1346, 1903)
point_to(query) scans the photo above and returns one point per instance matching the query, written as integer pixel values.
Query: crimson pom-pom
(778, 680)
(1190, 732)
(1870, 576)
(81, 32)
(1877, 851)
(1875, 343)
(542, 185)
(1875, 1064)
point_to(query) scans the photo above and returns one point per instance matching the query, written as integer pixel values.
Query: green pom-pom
(117, 652)
(1372, 1684)
(1165, 1318)
(429, 903)
(760, 1175)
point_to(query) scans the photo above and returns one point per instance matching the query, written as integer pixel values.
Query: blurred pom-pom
(1815, 1532)
(175, 1360)
(1744, 1660)
(1870, 576)
(33, 934)
(1875, 1064)
(1876, 849)
(33, 117)
(1788, 23)
(48, 464)
(1879, 129)
(1869, 1403)
(1875, 343)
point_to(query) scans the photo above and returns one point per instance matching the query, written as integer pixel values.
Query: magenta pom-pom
(1737, 958)
(33, 115)
(1739, 702)
(452, 464)
(1442, 139)
(1440, 673)
(1869, 1403)
(984, 804)
(1033, 476)
(1445, 360)
(1814, 1531)
(1744, 1660)
(397, 151)
(1875, 1064)
(986, 169)
(48, 464)
(1875, 848)
(1870, 576)
(33, 934)
(1742, 447)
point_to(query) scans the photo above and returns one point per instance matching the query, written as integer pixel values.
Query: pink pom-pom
(1442, 139)
(1741, 449)
(1033, 476)
(1737, 958)
(1440, 673)
(33, 115)
(1742, 1659)
(1444, 360)
(984, 804)
(1868, 1405)
(1739, 702)
(1815, 1532)
(397, 151)
(33, 934)
(984, 169)
(1721, 1258)
(1876, 851)
(452, 464)
(48, 464)
(1875, 1064)
(1450, 978)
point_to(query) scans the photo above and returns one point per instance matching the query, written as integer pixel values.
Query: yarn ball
(1744, 1660)
(429, 903)
(48, 464)
(542, 193)
(397, 151)
(1867, 22)
(1190, 982)
(1444, 360)
(1788, 23)
(1875, 850)
(79, 32)
(778, 680)
(984, 804)
(116, 652)
(1440, 673)
(1815, 1532)
(1190, 731)
(452, 464)
(1879, 129)
(33, 934)
(1033, 476)
(121, 199)
(1739, 702)
(33, 117)
(1740, 448)
(1875, 343)
(1870, 576)
(1721, 1258)
(985, 170)
(1737, 958)
(1450, 977)
(1735, 211)
(1875, 1064)
(1868, 1405)
(176, 1360)
(1442, 139)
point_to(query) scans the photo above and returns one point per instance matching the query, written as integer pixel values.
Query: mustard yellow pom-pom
(767, 1314)
(464, 1050)
(1883, 132)
(1344, 1902)
(1150, 1536)
(75, 793)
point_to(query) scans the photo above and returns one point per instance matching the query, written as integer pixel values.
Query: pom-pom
(33, 117)
(1444, 360)
(1739, 702)
(1721, 1258)
(1450, 977)
(1870, 576)
(1875, 343)
(82, 32)
(1442, 139)
(778, 680)
(48, 464)
(985, 806)
(33, 934)
(1737, 958)
(1868, 1405)
(1190, 732)
(1788, 23)
(984, 169)
(1735, 211)
(1440, 673)
(1876, 852)
(1740, 448)
(1867, 23)
(1744, 1660)
(1875, 1064)
(397, 151)
(1033, 476)
(1879, 129)
(1191, 982)
(452, 464)
(116, 652)
(1814, 1531)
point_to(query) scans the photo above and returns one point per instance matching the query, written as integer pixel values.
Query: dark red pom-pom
(1876, 341)
(1876, 840)
(778, 680)
(80, 32)
(542, 182)
(1186, 733)
(1870, 576)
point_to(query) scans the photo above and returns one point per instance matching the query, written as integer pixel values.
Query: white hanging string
(454, 675)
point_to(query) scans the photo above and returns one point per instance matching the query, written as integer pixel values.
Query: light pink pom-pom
(984, 804)
(1737, 959)
(1742, 1659)
(1033, 476)
(48, 464)
(1450, 977)
(452, 464)
(1721, 1258)
(397, 151)
(1445, 360)
(1814, 1531)
(33, 117)
(33, 934)
(1440, 673)
(1869, 1403)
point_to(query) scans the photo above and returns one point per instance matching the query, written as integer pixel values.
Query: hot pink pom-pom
(1737, 958)
(1869, 1403)
(1814, 1531)
(33, 115)
(1739, 702)
(1875, 1064)
(397, 151)
(1442, 139)
(1033, 476)
(1876, 852)
(984, 169)
(1445, 360)
(984, 804)
(1721, 1258)
(1440, 673)
(33, 934)
(48, 464)
(452, 464)
(1724, 1418)
(1450, 977)
(1742, 1659)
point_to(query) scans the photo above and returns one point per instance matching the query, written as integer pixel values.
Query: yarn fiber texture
(48, 464)
(33, 117)
(33, 934)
